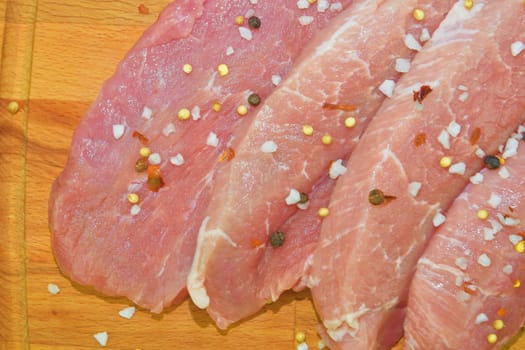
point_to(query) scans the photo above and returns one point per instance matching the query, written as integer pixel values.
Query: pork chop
(463, 96)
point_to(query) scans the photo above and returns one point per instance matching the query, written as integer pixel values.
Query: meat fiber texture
(467, 293)
(144, 251)
(367, 253)
(343, 66)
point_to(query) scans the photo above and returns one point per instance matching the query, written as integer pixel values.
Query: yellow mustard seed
(326, 139)
(350, 122)
(308, 130)
(184, 114)
(520, 246)
(144, 152)
(483, 214)
(445, 162)
(517, 284)
(468, 4)
(313, 1)
(300, 337)
(242, 110)
(498, 324)
(223, 69)
(323, 212)
(492, 338)
(239, 20)
(217, 106)
(13, 107)
(418, 14)
(187, 68)
(133, 198)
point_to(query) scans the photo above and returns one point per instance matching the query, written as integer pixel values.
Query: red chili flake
(502, 312)
(256, 243)
(420, 139)
(424, 90)
(227, 155)
(155, 181)
(341, 107)
(474, 137)
(467, 289)
(143, 10)
(141, 137)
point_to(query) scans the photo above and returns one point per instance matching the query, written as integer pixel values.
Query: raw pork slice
(463, 96)
(177, 92)
(467, 293)
(301, 129)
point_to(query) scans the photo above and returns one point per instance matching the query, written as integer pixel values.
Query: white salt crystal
(515, 239)
(127, 312)
(463, 96)
(303, 4)
(53, 288)
(438, 219)
(168, 129)
(425, 35)
(196, 113)
(461, 262)
(412, 43)
(276, 79)
(118, 131)
(414, 187)
(516, 48)
(484, 260)
(476, 179)
(504, 172)
(444, 139)
(293, 197)
(177, 159)
(101, 338)
(322, 5)
(511, 148)
(269, 147)
(245, 33)
(480, 318)
(147, 112)
(336, 7)
(135, 209)
(494, 200)
(387, 87)
(337, 169)
(154, 159)
(305, 20)
(212, 139)
(454, 129)
(402, 65)
(229, 51)
(479, 153)
(507, 269)
(459, 281)
(457, 168)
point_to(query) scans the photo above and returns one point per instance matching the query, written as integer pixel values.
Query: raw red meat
(463, 97)
(467, 293)
(342, 66)
(144, 250)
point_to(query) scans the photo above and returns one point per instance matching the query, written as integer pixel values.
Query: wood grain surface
(55, 55)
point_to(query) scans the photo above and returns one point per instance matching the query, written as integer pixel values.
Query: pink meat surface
(144, 251)
(345, 64)
(367, 253)
(467, 283)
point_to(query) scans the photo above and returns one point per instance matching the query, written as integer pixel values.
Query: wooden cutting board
(55, 56)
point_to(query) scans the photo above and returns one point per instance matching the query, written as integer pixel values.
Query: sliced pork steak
(467, 293)
(464, 95)
(176, 93)
(288, 148)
